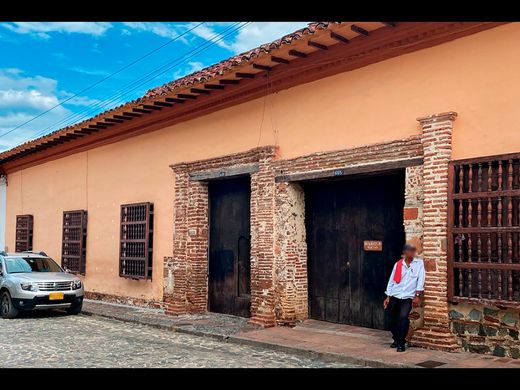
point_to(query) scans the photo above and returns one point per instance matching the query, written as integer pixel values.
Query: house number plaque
(373, 246)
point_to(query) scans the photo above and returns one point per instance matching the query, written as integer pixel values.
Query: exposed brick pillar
(263, 241)
(291, 255)
(185, 273)
(436, 140)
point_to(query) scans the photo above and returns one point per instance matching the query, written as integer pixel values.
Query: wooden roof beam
(141, 110)
(390, 24)
(151, 107)
(317, 45)
(296, 53)
(228, 81)
(262, 67)
(338, 37)
(280, 60)
(186, 96)
(112, 120)
(359, 30)
(163, 104)
(245, 75)
(123, 117)
(213, 86)
(200, 91)
(132, 114)
(175, 100)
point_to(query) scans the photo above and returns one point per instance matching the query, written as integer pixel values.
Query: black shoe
(393, 345)
(401, 348)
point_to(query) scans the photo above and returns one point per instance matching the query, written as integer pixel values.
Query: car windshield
(16, 265)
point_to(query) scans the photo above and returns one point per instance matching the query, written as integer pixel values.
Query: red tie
(398, 271)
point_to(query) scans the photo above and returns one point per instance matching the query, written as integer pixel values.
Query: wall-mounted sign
(373, 246)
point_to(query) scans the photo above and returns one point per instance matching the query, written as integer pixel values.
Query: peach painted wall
(477, 76)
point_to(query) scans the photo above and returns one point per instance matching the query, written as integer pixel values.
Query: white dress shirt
(412, 280)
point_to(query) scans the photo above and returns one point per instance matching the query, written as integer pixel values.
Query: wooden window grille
(484, 230)
(24, 233)
(74, 243)
(136, 247)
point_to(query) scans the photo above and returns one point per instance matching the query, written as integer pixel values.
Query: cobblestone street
(48, 339)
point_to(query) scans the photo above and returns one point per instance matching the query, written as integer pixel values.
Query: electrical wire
(100, 81)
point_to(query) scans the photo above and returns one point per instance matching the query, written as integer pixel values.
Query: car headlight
(27, 286)
(76, 284)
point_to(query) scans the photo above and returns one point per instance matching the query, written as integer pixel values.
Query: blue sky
(45, 63)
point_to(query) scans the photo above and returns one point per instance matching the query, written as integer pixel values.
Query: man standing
(404, 289)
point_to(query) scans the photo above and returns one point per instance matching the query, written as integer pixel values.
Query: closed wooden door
(229, 246)
(347, 282)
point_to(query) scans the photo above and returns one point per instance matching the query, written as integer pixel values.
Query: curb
(324, 356)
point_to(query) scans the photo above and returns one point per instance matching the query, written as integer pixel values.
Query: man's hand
(386, 302)
(416, 302)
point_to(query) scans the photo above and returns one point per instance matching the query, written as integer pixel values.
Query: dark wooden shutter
(24, 233)
(484, 230)
(74, 243)
(135, 256)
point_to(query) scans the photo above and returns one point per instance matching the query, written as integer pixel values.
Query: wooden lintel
(163, 104)
(141, 110)
(317, 45)
(296, 53)
(352, 170)
(200, 91)
(174, 100)
(245, 75)
(118, 120)
(280, 60)
(229, 81)
(359, 30)
(186, 96)
(152, 107)
(214, 86)
(224, 172)
(338, 37)
(262, 67)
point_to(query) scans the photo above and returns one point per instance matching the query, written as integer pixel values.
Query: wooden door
(347, 282)
(229, 246)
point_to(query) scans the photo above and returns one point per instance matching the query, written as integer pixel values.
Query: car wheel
(7, 309)
(75, 308)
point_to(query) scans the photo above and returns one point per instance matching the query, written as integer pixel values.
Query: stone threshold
(315, 339)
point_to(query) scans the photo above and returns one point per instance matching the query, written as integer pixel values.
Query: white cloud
(23, 97)
(44, 29)
(158, 28)
(257, 33)
(90, 72)
(192, 66)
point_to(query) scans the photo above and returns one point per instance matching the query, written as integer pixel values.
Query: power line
(126, 90)
(151, 75)
(102, 80)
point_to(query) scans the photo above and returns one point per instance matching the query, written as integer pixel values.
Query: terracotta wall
(475, 76)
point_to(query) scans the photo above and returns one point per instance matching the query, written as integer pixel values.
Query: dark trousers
(399, 309)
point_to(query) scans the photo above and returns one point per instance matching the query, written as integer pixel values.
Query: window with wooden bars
(74, 243)
(136, 247)
(24, 233)
(484, 230)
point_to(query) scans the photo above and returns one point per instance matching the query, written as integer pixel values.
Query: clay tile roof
(205, 74)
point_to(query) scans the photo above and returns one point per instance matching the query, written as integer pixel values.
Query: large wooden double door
(346, 279)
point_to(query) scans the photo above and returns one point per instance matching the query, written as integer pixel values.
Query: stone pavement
(326, 341)
(51, 339)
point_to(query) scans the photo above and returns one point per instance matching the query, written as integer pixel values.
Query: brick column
(436, 140)
(290, 255)
(263, 241)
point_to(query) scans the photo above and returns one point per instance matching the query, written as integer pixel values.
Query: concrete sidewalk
(327, 341)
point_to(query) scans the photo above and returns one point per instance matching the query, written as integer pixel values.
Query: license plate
(56, 296)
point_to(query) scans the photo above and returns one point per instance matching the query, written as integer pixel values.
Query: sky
(44, 64)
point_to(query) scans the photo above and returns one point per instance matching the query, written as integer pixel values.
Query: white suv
(31, 281)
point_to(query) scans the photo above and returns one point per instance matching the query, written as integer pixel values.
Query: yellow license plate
(56, 296)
